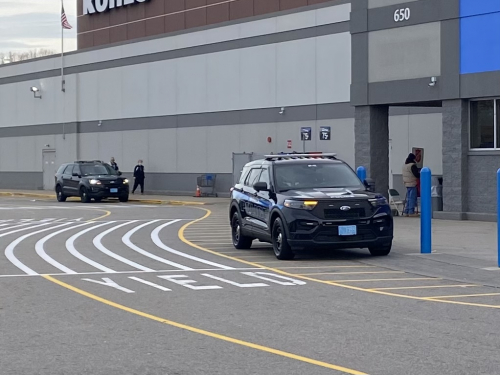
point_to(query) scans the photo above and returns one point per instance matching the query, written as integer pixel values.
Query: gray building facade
(384, 75)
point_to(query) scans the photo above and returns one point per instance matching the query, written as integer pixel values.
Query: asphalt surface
(115, 288)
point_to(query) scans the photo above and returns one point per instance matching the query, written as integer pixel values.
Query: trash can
(437, 195)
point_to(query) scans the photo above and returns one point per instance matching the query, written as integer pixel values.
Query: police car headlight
(378, 202)
(301, 205)
(94, 182)
(125, 181)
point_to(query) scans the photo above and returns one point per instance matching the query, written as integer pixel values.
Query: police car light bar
(301, 156)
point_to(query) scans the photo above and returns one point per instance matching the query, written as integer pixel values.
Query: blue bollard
(426, 218)
(361, 172)
(498, 215)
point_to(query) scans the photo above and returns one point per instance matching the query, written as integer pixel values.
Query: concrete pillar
(455, 160)
(371, 133)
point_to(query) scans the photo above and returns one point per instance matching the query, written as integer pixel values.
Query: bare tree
(14, 56)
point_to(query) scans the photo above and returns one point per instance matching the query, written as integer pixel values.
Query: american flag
(64, 20)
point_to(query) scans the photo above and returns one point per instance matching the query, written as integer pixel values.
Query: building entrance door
(49, 168)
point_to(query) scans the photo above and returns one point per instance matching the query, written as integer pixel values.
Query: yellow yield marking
(349, 273)
(334, 283)
(206, 333)
(426, 287)
(402, 279)
(466, 295)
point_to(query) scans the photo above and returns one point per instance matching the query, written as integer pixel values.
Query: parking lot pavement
(155, 289)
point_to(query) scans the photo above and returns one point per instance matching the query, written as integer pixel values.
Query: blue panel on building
(474, 7)
(480, 43)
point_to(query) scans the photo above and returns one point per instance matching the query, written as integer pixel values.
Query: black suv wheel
(123, 198)
(281, 248)
(239, 240)
(60, 196)
(380, 250)
(84, 195)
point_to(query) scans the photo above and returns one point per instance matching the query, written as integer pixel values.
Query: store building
(185, 84)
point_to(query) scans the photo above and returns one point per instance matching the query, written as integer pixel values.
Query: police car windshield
(315, 176)
(97, 170)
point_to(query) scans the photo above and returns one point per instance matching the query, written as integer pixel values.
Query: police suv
(297, 201)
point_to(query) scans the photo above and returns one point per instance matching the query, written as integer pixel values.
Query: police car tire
(60, 196)
(380, 251)
(281, 247)
(123, 198)
(240, 241)
(84, 196)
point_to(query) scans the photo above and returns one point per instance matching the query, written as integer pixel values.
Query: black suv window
(311, 175)
(244, 174)
(62, 168)
(76, 169)
(252, 177)
(97, 170)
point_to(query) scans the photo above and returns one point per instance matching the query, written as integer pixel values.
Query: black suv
(90, 179)
(308, 200)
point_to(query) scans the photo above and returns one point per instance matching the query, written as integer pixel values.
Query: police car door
(249, 203)
(263, 205)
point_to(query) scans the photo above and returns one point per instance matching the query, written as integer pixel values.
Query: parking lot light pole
(426, 212)
(361, 172)
(498, 217)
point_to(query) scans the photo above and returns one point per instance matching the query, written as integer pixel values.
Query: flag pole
(63, 88)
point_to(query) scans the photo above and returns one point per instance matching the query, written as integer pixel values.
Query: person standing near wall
(411, 177)
(113, 164)
(139, 177)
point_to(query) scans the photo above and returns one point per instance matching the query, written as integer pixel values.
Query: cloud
(29, 24)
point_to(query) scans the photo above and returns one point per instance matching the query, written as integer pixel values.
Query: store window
(484, 126)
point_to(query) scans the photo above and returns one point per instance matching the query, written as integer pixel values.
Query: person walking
(113, 164)
(411, 177)
(139, 177)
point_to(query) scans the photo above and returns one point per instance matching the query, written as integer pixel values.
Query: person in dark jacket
(139, 177)
(113, 164)
(411, 177)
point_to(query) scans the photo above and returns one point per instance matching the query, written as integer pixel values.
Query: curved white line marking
(161, 245)
(70, 246)
(17, 226)
(9, 250)
(126, 241)
(100, 247)
(41, 251)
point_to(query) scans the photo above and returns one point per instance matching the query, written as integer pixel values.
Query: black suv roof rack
(292, 156)
(88, 161)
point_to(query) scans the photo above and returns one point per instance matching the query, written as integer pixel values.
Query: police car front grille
(337, 214)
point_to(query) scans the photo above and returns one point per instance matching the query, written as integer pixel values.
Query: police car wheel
(60, 196)
(123, 198)
(84, 196)
(380, 251)
(281, 248)
(240, 241)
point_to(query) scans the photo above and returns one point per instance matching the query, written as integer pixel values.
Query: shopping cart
(206, 183)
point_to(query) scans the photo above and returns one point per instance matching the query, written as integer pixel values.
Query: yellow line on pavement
(206, 333)
(100, 217)
(348, 273)
(393, 279)
(466, 295)
(426, 287)
(334, 283)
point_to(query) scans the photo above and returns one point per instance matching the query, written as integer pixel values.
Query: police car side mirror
(369, 184)
(261, 186)
(76, 174)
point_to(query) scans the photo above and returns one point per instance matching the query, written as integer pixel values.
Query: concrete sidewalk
(136, 198)
(461, 250)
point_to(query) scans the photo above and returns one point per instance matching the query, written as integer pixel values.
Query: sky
(33, 24)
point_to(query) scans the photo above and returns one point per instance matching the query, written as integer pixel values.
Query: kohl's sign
(100, 6)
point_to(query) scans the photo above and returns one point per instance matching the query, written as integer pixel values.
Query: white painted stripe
(126, 241)
(70, 245)
(9, 250)
(17, 226)
(102, 248)
(134, 272)
(39, 247)
(150, 283)
(161, 245)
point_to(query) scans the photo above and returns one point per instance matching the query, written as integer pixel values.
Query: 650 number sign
(401, 15)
